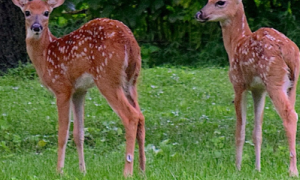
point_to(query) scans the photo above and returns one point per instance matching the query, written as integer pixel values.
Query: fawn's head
(37, 14)
(218, 10)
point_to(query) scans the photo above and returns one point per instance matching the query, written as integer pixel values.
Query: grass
(190, 125)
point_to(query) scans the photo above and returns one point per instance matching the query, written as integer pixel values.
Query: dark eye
(46, 13)
(27, 13)
(220, 3)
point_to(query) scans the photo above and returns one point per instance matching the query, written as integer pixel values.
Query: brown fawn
(102, 52)
(263, 62)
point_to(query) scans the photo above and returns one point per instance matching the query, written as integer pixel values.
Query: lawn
(190, 125)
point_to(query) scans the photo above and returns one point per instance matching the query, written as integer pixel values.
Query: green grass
(190, 125)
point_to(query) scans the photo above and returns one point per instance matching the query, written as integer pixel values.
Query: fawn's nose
(36, 27)
(201, 17)
(198, 15)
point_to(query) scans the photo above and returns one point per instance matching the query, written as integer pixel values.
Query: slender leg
(240, 108)
(140, 130)
(141, 141)
(259, 103)
(63, 107)
(286, 111)
(129, 116)
(78, 131)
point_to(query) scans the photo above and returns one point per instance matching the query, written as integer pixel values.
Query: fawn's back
(262, 54)
(98, 50)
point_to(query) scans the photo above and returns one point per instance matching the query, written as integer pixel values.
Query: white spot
(244, 51)
(243, 26)
(126, 57)
(49, 72)
(251, 60)
(111, 34)
(254, 43)
(105, 61)
(270, 37)
(63, 67)
(129, 158)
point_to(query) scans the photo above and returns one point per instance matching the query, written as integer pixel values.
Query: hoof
(294, 174)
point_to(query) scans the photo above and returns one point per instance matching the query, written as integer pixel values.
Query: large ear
(54, 3)
(20, 3)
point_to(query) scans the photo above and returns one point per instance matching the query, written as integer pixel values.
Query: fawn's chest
(84, 82)
(251, 61)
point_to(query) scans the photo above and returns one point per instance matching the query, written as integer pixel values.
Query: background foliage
(167, 31)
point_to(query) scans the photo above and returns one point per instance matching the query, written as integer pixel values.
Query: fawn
(263, 62)
(103, 52)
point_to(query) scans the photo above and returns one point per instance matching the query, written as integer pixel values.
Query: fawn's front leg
(63, 107)
(240, 109)
(259, 97)
(78, 126)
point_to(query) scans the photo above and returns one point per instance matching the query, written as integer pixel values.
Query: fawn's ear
(20, 3)
(55, 3)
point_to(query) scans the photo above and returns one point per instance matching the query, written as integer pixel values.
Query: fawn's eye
(220, 3)
(46, 13)
(27, 13)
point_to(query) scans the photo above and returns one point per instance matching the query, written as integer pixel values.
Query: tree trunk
(12, 36)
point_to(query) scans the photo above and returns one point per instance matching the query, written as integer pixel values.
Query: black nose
(36, 27)
(198, 15)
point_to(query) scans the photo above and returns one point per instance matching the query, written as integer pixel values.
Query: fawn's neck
(235, 29)
(37, 49)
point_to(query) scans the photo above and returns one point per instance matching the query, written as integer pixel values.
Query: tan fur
(103, 52)
(263, 62)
